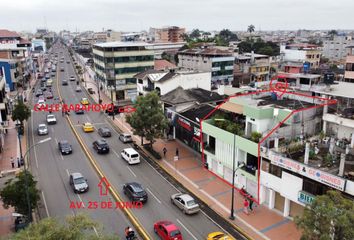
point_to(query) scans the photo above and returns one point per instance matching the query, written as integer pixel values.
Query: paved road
(159, 206)
(52, 172)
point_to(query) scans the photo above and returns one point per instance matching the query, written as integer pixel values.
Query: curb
(112, 190)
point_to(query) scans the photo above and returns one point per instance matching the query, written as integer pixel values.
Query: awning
(232, 107)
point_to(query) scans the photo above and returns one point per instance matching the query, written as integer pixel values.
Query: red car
(167, 230)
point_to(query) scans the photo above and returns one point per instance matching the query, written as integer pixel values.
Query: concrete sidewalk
(262, 223)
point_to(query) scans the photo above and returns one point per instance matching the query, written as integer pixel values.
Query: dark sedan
(135, 192)
(65, 147)
(104, 132)
(101, 146)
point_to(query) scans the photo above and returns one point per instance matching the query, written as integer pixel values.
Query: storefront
(188, 132)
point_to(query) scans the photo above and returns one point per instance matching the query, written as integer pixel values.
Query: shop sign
(306, 198)
(312, 173)
(184, 123)
(196, 132)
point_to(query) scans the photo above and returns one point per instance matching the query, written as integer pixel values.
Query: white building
(302, 53)
(165, 81)
(335, 49)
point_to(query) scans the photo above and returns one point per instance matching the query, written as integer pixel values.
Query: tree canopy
(259, 46)
(330, 216)
(148, 120)
(21, 112)
(14, 193)
(78, 227)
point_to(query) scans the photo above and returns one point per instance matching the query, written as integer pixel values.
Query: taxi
(219, 236)
(87, 127)
(49, 82)
(84, 101)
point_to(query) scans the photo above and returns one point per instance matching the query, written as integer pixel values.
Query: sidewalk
(263, 223)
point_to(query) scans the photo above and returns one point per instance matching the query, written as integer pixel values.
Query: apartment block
(336, 49)
(349, 65)
(301, 53)
(168, 34)
(116, 64)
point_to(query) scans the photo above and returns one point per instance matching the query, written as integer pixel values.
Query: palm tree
(250, 29)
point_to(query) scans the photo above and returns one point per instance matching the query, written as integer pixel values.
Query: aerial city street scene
(193, 120)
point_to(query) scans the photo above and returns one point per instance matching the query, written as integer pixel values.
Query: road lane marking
(80, 200)
(51, 128)
(185, 228)
(67, 171)
(116, 153)
(56, 140)
(45, 205)
(158, 200)
(34, 147)
(131, 171)
(61, 156)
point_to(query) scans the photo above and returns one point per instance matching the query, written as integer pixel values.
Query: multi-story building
(336, 49)
(13, 63)
(219, 62)
(116, 63)
(349, 65)
(255, 66)
(164, 81)
(294, 150)
(168, 34)
(301, 53)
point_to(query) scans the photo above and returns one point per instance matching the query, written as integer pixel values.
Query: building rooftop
(8, 34)
(163, 64)
(179, 95)
(284, 103)
(197, 112)
(339, 89)
(122, 44)
(207, 52)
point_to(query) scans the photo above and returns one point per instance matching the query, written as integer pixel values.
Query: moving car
(79, 110)
(87, 127)
(130, 155)
(41, 102)
(219, 236)
(185, 202)
(104, 132)
(39, 92)
(68, 61)
(64, 82)
(51, 119)
(42, 129)
(90, 90)
(65, 147)
(167, 230)
(78, 183)
(125, 138)
(49, 95)
(84, 101)
(49, 82)
(101, 146)
(135, 192)
(78, 89)
(72, 78)
(62, 69)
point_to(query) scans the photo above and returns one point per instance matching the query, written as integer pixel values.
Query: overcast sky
(135, 15)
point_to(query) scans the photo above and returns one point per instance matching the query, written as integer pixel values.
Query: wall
(194, 62)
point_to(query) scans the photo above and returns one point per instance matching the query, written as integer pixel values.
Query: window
(140, 81)
(275, 170)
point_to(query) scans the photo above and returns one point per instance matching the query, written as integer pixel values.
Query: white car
(41, 102)
(42, 129)
(72, 78)
(130, 155)
(51, 119)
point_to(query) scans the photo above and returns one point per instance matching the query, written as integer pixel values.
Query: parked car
(125, 138)
(167, 230)
(78, 183)
(51, 119)
(101, 146)
(185, 202)
(42, 129)
(65, 147)
(104, 132)
(135, 192)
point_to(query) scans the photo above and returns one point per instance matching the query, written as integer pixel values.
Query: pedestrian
(164, 151)
(245, 206)
(177, 152)
(12, 162)
(251, 203)
(18, 163)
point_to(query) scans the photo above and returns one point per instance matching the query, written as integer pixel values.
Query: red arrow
(103, 185)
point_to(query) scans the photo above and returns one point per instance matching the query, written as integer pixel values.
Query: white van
(130, 155)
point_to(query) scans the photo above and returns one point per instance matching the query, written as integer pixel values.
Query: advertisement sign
(305, 197)
(304, 170)
(184, 123)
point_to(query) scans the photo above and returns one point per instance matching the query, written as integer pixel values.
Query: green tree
(250, 29)
(14, 193)
(195, 34)
(267, 50)
(21, 112)
(148, 120)
(78, 227)
(332, 33)
(330, 216)
(225, 36)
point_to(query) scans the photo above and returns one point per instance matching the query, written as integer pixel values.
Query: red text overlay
(104, 205)
(73, 107)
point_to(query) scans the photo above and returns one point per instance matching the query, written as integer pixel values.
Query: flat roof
(339, 89)
(122, 44)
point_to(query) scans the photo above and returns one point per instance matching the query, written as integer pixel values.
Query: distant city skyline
(207, 15)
